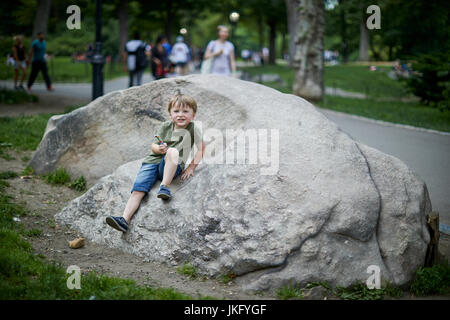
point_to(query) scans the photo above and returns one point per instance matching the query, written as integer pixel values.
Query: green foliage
(414, 114)
(8, 175)
(318, 284)
(25, 158)
(28, 171)
(78, 184)
(384, 95)
(23, 132)
(33, 232)
(431, 79)
(3, 185)
(289, 292)
(14, 96)
(226, 278)
(434, 280)
(59, 177)
(360, 291)
(187, 269)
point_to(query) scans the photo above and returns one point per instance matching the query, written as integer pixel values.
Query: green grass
(28, 171)
(8, 175)
(356, 292)
(354, 78)
(33, 232)
(24, 132)
(414, 114)
(188, 270)
(78, 184)
(432, 280)
(58, 177)
(289, 292)
(62, 69)
(14, 97)
(227, 278)
(361, 292)
(384, 95)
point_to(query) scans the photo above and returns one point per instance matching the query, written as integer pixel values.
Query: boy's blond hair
(183, 100)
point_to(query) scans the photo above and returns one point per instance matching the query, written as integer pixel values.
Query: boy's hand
(188, 172)
(162, 148)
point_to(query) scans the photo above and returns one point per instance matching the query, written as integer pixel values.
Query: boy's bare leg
(133, 204)
(170, 167)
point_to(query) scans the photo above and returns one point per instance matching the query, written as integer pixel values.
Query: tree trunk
(363, 41)
(308, 55)
(292, 19)
(123, 26)
(343, 32)
(272, 37)
(261, 33)
(41, 17)
(169, 20)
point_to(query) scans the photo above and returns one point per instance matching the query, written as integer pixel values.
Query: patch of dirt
(48, 103)
(43, 201)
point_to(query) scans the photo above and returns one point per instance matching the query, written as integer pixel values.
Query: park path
(79, 90)
(424, 151)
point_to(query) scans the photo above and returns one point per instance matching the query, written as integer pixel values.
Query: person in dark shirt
(37, 52)
(20, 63)
(159, 59)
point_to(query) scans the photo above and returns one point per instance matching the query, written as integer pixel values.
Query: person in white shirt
(180, 56)
(131, 59)
(222, 52)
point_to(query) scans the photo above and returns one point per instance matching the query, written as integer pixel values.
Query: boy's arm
(189, 171)
(159, 148)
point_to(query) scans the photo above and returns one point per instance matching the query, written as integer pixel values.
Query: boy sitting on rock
(166, 160)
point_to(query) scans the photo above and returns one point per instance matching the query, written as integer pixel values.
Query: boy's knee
(172, 152)
(139, 193)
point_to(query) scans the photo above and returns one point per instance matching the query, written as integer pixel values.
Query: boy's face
(181, 116)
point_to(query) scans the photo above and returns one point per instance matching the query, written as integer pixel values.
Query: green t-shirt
(181, 139)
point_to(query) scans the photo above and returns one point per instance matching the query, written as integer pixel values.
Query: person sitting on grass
(166, 160)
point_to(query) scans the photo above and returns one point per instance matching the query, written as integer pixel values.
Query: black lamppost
(97, 60)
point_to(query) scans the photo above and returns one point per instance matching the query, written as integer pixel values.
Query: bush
(434, 280)
(431, 79)
(59, 176)
(188, 269)
(78, 184)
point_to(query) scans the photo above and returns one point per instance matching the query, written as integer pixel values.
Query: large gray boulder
(320, 206)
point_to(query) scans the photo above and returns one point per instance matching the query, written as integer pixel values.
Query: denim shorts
(149, 173)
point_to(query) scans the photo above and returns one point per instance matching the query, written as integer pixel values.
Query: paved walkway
(79, 90)
(427, 153)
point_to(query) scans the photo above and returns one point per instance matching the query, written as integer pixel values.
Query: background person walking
(159, 59)
(135, 59)
(37, 56)
(180, 56)
(222, 52)
(20, 63)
